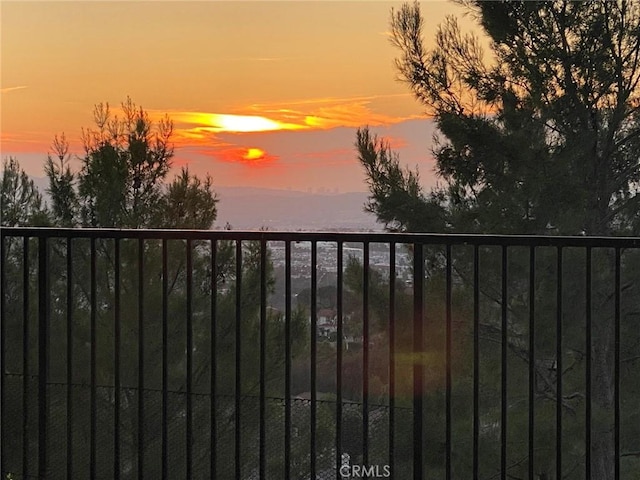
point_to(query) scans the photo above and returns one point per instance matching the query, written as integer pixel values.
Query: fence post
(418, 347)
(3, 293)
(43, 352)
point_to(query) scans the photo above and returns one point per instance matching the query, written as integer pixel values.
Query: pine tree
(538, 135)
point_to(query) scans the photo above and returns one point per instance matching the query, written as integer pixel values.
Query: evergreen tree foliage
(122, 183)
(20, 202)
(547, 117)
(536, 135)
(122, 180)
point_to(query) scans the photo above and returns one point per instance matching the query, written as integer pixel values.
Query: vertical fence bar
(43, 353)
(238, 386)
(25, 357)
(214, 365)
(263, 356)
(93, 300)
(392, 354)
(448, 363)
(365, 354)
(287, 362)
(476, 358)
(314, 353)
(532, 357)
(70, 359)
(140, 358)
(339, 362)
(3, 333)
(616, 384)
(418, 355)
(588, 365)
(189, 358)
(559, 365)
(116, 366)
(165, 362)
(503, 400)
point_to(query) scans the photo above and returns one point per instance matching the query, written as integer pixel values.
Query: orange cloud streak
(231, 123)
(314, 114)
(251, 156)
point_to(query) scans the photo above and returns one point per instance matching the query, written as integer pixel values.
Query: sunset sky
(261, 93)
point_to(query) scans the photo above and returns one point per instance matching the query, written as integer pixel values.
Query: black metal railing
(223, 354)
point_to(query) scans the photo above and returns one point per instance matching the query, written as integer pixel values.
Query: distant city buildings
(326, 278)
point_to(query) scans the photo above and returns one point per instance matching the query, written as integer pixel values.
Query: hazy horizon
(251, 208)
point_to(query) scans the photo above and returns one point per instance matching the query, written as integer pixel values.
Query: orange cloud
(313, 114)
(11, 89)
(249, 156)
(326, 113)
(202, 128)
(27, 141)
(353, 114)
(230, 123)
(197, 136)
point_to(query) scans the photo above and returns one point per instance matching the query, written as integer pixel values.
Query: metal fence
(191, 354)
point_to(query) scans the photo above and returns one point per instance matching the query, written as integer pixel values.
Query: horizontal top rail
(376, 237)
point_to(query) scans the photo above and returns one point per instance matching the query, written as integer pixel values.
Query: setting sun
(253, 154)
(247, 123)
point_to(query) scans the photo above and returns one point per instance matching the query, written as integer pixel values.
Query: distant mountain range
(249, 208)
(252, 208)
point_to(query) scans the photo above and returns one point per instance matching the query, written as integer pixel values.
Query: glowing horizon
(282, 95)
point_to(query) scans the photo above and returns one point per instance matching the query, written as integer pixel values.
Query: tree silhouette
(122, 183)
(537, 135)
